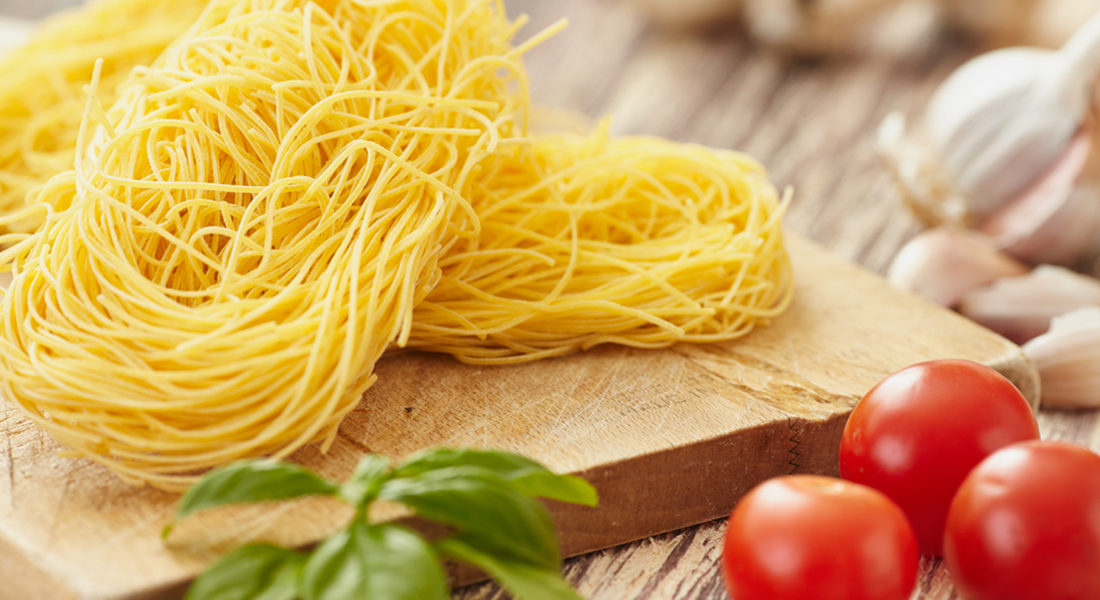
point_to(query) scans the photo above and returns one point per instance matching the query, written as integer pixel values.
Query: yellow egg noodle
(293, 187)
(252, 228)
(41, 102)
(589, 240)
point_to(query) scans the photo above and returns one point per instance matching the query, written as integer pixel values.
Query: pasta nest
(293, 188)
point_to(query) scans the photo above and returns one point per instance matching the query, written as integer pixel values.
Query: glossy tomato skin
(916, 435)
(1026, 525)
(806, 537)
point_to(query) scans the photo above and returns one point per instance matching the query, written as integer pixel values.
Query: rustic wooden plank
(809, 122)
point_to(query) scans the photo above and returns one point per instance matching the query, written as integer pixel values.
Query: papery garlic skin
(1068, 358)
(1021, 308)
(946, 263)
(924, 187)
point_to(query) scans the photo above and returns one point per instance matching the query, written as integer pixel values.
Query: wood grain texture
(810, 123)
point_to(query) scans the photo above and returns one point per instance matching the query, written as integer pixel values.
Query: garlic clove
(986, 82)
(1079, 66)
(1068, 358)
(946, 263)
(1057, 218)
(686, 14)
(1021, 308)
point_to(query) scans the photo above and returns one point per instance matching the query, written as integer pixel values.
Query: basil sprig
(488, 498)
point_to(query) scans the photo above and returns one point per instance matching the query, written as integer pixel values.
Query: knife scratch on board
(672, 397)
(136, 529)
(794, 356)
(19, 435)
(753, 401)
(565, 400)
(610, 376)
(558, 398)
(592, 407)
(761, 372)
(526, 409)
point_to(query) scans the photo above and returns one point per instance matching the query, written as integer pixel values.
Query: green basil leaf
(483, 505)
(522, 580)
(374, 562)
(531, 478)
(255, 572)
(251, 481)
(566, 488)
(370, 474)
(505, 464)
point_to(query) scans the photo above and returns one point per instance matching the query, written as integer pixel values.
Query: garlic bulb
(999, 122)
(1068, 358)
(945, 264)
(1021, 308)
(689, 13)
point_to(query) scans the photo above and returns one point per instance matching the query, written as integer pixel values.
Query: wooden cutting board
(670, 438)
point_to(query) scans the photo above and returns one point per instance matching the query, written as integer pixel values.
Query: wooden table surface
(810, 122)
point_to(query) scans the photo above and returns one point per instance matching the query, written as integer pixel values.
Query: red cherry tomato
(916, 435)
(1026, 524)
(805, 537)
